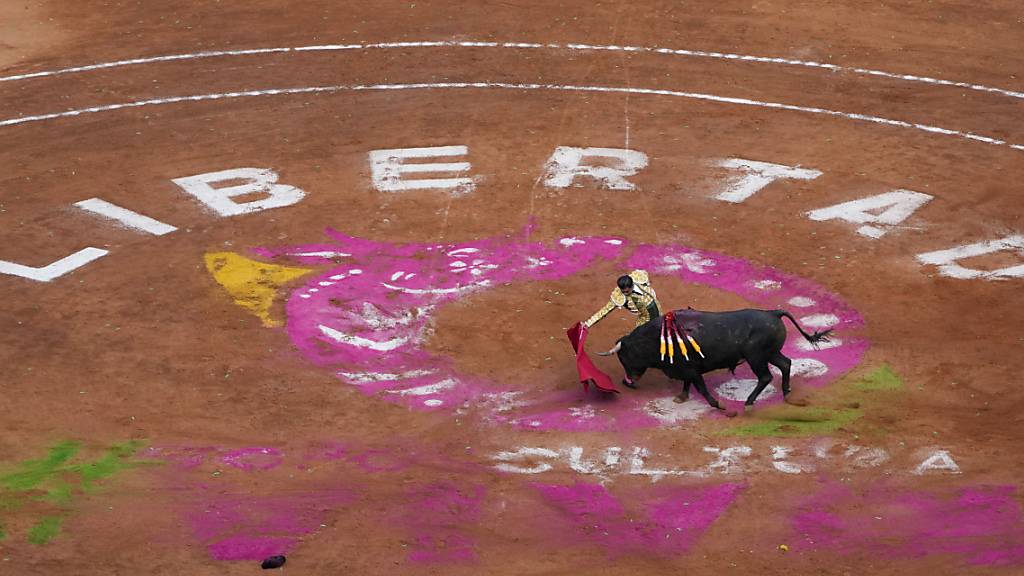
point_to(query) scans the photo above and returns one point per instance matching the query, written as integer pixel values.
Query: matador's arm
(599, 315)
(617, 300)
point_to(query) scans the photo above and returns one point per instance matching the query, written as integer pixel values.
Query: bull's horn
(618, 346)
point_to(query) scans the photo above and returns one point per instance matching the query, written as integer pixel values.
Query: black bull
(727, 339)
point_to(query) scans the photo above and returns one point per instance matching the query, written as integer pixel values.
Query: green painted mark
(45, 530)
(8, 502)
(59, 493)
(793, 421)
(790, 421)
(112, 462)
(882, 379)
(32, 473)
(55, 480)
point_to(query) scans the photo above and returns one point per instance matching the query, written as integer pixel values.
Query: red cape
(588, 372)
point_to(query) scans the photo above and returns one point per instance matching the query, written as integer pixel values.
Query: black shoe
(628, 384)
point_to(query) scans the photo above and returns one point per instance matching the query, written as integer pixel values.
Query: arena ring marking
(510, 86)
(377, 341)
(521, 46)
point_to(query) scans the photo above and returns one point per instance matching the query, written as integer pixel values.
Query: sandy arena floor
(235, 322)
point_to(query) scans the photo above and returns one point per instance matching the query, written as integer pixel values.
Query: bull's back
(726, 338)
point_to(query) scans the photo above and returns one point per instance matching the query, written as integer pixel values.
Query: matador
(633, 293)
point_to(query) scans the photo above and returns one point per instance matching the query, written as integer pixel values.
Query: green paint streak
(32, 473)
(112, 462)
(787, 421)
(60, 480)
(882, 379)
(8, 502)
(45, 530)
(59, 494)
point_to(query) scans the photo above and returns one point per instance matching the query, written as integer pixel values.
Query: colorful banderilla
(670, 338)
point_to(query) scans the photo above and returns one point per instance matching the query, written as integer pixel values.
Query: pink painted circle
(368, 317)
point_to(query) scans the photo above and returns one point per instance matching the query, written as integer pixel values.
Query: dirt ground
(152, 425)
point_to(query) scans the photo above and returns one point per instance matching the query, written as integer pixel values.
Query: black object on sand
(273, 562)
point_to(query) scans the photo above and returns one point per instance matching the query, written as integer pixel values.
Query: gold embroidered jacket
(638, 302)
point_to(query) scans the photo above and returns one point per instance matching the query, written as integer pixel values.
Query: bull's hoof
(680, 399)
(795, 401)
(628, 384)
(730, 413)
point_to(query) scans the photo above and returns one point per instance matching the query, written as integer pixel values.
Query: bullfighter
(633, 293)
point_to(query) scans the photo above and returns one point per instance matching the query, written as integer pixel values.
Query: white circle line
(522, 45)
(503, 85)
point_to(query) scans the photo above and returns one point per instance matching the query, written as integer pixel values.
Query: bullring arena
(293, 279)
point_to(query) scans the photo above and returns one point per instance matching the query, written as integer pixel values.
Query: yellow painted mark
(253, 285)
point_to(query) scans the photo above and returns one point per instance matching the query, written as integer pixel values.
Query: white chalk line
(508, 86)
(521, 45)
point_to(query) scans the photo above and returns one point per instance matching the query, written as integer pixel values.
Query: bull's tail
(819, 336)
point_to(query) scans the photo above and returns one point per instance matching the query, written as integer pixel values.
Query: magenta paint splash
(982, 525)
(248, 458)
(369, 316)
(436, 516)
(664, 521)
(253, 458)
(236, 527)
(370, 460)
(184, 458)
(256, 458)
